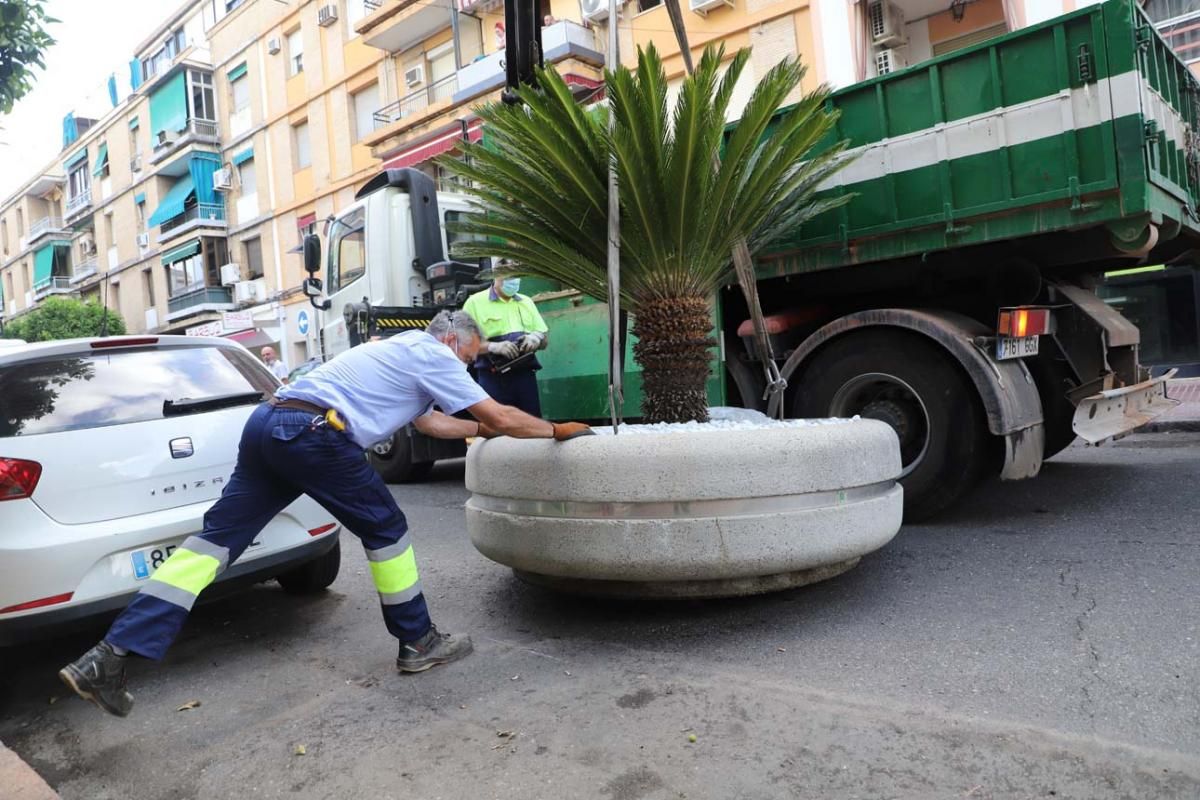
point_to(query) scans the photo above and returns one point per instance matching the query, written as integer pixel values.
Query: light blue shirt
(379, 387)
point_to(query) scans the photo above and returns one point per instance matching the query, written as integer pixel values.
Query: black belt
(298, 405)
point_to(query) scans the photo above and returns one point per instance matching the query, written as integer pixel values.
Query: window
(21, 217)
(646, 5)
(216, 255)
(110, 237)
(135, 149)
(1163, 10)
(452, 238)
(247, 179)
(295, 50)
(141, 214)
(185, 276)
(77, 392)
(301, 148)
(10, 294)
(347, 255)
(79, 183)
(240, 91)
(148, 284)
(159, 60)
(355, 10)
(201, 100)
(25, 276)
(4, 234)
(366, 103)
(254, 259)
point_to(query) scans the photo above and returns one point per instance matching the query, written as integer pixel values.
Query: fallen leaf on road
(515, 678)
(567, 673)
(781, 649)
(506, 734)
(299, 750)
(189, 705)
(53, 699)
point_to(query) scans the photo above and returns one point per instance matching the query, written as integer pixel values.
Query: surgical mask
(511, 286)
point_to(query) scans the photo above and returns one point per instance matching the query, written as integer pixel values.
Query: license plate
(1009, 347)
(150, 559)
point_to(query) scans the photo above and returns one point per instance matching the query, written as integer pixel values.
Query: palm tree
(541, 180)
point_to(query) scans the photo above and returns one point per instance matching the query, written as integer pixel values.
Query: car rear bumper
(58, 621)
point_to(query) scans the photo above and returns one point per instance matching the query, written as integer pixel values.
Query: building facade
(248, 123)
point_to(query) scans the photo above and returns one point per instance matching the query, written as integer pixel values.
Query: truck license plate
(1010, 347)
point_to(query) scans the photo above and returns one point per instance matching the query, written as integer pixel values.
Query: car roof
(60, 347)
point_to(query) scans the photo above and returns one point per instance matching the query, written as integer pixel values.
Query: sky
(94, 38)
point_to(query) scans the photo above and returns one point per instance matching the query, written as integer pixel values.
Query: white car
(111, 450)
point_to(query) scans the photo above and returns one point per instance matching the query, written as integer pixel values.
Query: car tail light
(322, 529)
(18, 478)
(139, 342)
(45, 601)
(1022, 322)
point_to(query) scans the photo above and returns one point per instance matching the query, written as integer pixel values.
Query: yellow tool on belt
(334, 421)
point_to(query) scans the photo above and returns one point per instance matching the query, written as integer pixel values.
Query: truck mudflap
(1115, 412)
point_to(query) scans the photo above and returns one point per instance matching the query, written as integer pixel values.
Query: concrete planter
(708, 513)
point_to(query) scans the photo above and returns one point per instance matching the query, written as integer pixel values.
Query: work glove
(570, 430)
(506, 350)
(532, 342)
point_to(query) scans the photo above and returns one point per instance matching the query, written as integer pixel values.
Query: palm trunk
(673, 351)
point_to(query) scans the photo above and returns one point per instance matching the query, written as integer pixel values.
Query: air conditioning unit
(414, 77)
(231, 274)
(326, 15)
(167, 138)
(143, 240)
(223, 180)
(274, 45)
(702, 7)
(87, 247)
(886, 23)
(594, 10)
(889, 60)
(250, 292)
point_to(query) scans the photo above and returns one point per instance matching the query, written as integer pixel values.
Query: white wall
(835, 39)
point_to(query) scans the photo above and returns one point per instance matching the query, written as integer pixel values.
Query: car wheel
(392, 459)
(313, 576)
(911, 384)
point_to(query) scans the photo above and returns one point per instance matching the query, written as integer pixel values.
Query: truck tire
(1054, 379)
(913, 385)
(313, 576)
(393, 460)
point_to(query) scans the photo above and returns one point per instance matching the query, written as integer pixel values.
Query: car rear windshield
(94, 389)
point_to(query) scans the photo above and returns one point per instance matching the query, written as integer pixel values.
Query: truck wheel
(393, 461)
(1054, 379)
(313, 576)
(910, 383)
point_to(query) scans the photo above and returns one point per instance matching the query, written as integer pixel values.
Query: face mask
(511, 286)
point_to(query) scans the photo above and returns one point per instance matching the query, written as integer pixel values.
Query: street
(1039, 641)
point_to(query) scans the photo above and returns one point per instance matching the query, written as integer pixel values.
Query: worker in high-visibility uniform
(513, 328)
(309, 439)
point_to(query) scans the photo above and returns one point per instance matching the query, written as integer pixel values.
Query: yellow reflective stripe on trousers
(396, 574)
(188, 571)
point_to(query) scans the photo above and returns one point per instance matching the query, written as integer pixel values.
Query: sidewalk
(1186, 415)
(19, 781)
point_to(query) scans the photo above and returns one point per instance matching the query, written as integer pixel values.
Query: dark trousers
(281, 456)
(517, 388)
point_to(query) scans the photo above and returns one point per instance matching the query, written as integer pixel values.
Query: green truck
(953, 296)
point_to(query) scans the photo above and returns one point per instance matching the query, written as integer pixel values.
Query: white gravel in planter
(723, 418)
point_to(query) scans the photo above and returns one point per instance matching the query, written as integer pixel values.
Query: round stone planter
(700, 513)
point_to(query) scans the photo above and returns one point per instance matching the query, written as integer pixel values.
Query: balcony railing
(202, 296)
(422, 98)
(372, 5)
(85, 269)
(203, 128)
(55, 285)
(45, 225)
(79, 202)
(201, 212)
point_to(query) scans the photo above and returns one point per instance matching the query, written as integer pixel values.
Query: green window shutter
(181, 252)
(43, 265)
(168, 106)
(236, 72)
(139, 198)
(172, 204)
(101, 160)
(75, 159)
(243, 156)
(134, 124)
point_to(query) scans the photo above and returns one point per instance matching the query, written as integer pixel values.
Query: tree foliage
(23, 41)
(64, 318)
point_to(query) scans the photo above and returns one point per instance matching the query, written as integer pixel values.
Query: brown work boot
(99, 677)
(432, 649)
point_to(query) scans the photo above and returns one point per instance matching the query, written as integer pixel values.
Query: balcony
(85, 269)
(79, 203)
(201, 215)
(44, 227)
(197, 131)
(419, 100)
(200, 299)
(561, 40)
(59, 284)
(400, 24)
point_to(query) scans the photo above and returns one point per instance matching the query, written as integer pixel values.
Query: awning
(139, 198)
(43, 262)
(101, 160)
(172, 205)
(80, 156)
(134, 123)
(255, 337)
(243, 156)
(306, 220)
(202, 167)
(168, 105)
(236, 72)
(436, 146)
(181, 252)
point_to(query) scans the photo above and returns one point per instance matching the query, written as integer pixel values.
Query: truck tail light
(18, 478)
(1021, 322)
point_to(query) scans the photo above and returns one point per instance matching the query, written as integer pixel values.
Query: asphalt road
(1040, 642)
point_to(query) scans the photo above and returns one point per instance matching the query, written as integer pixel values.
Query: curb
(1171, 426)
(19, 780)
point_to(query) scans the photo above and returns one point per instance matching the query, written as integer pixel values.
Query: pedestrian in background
(513, 328)
(277, 367)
